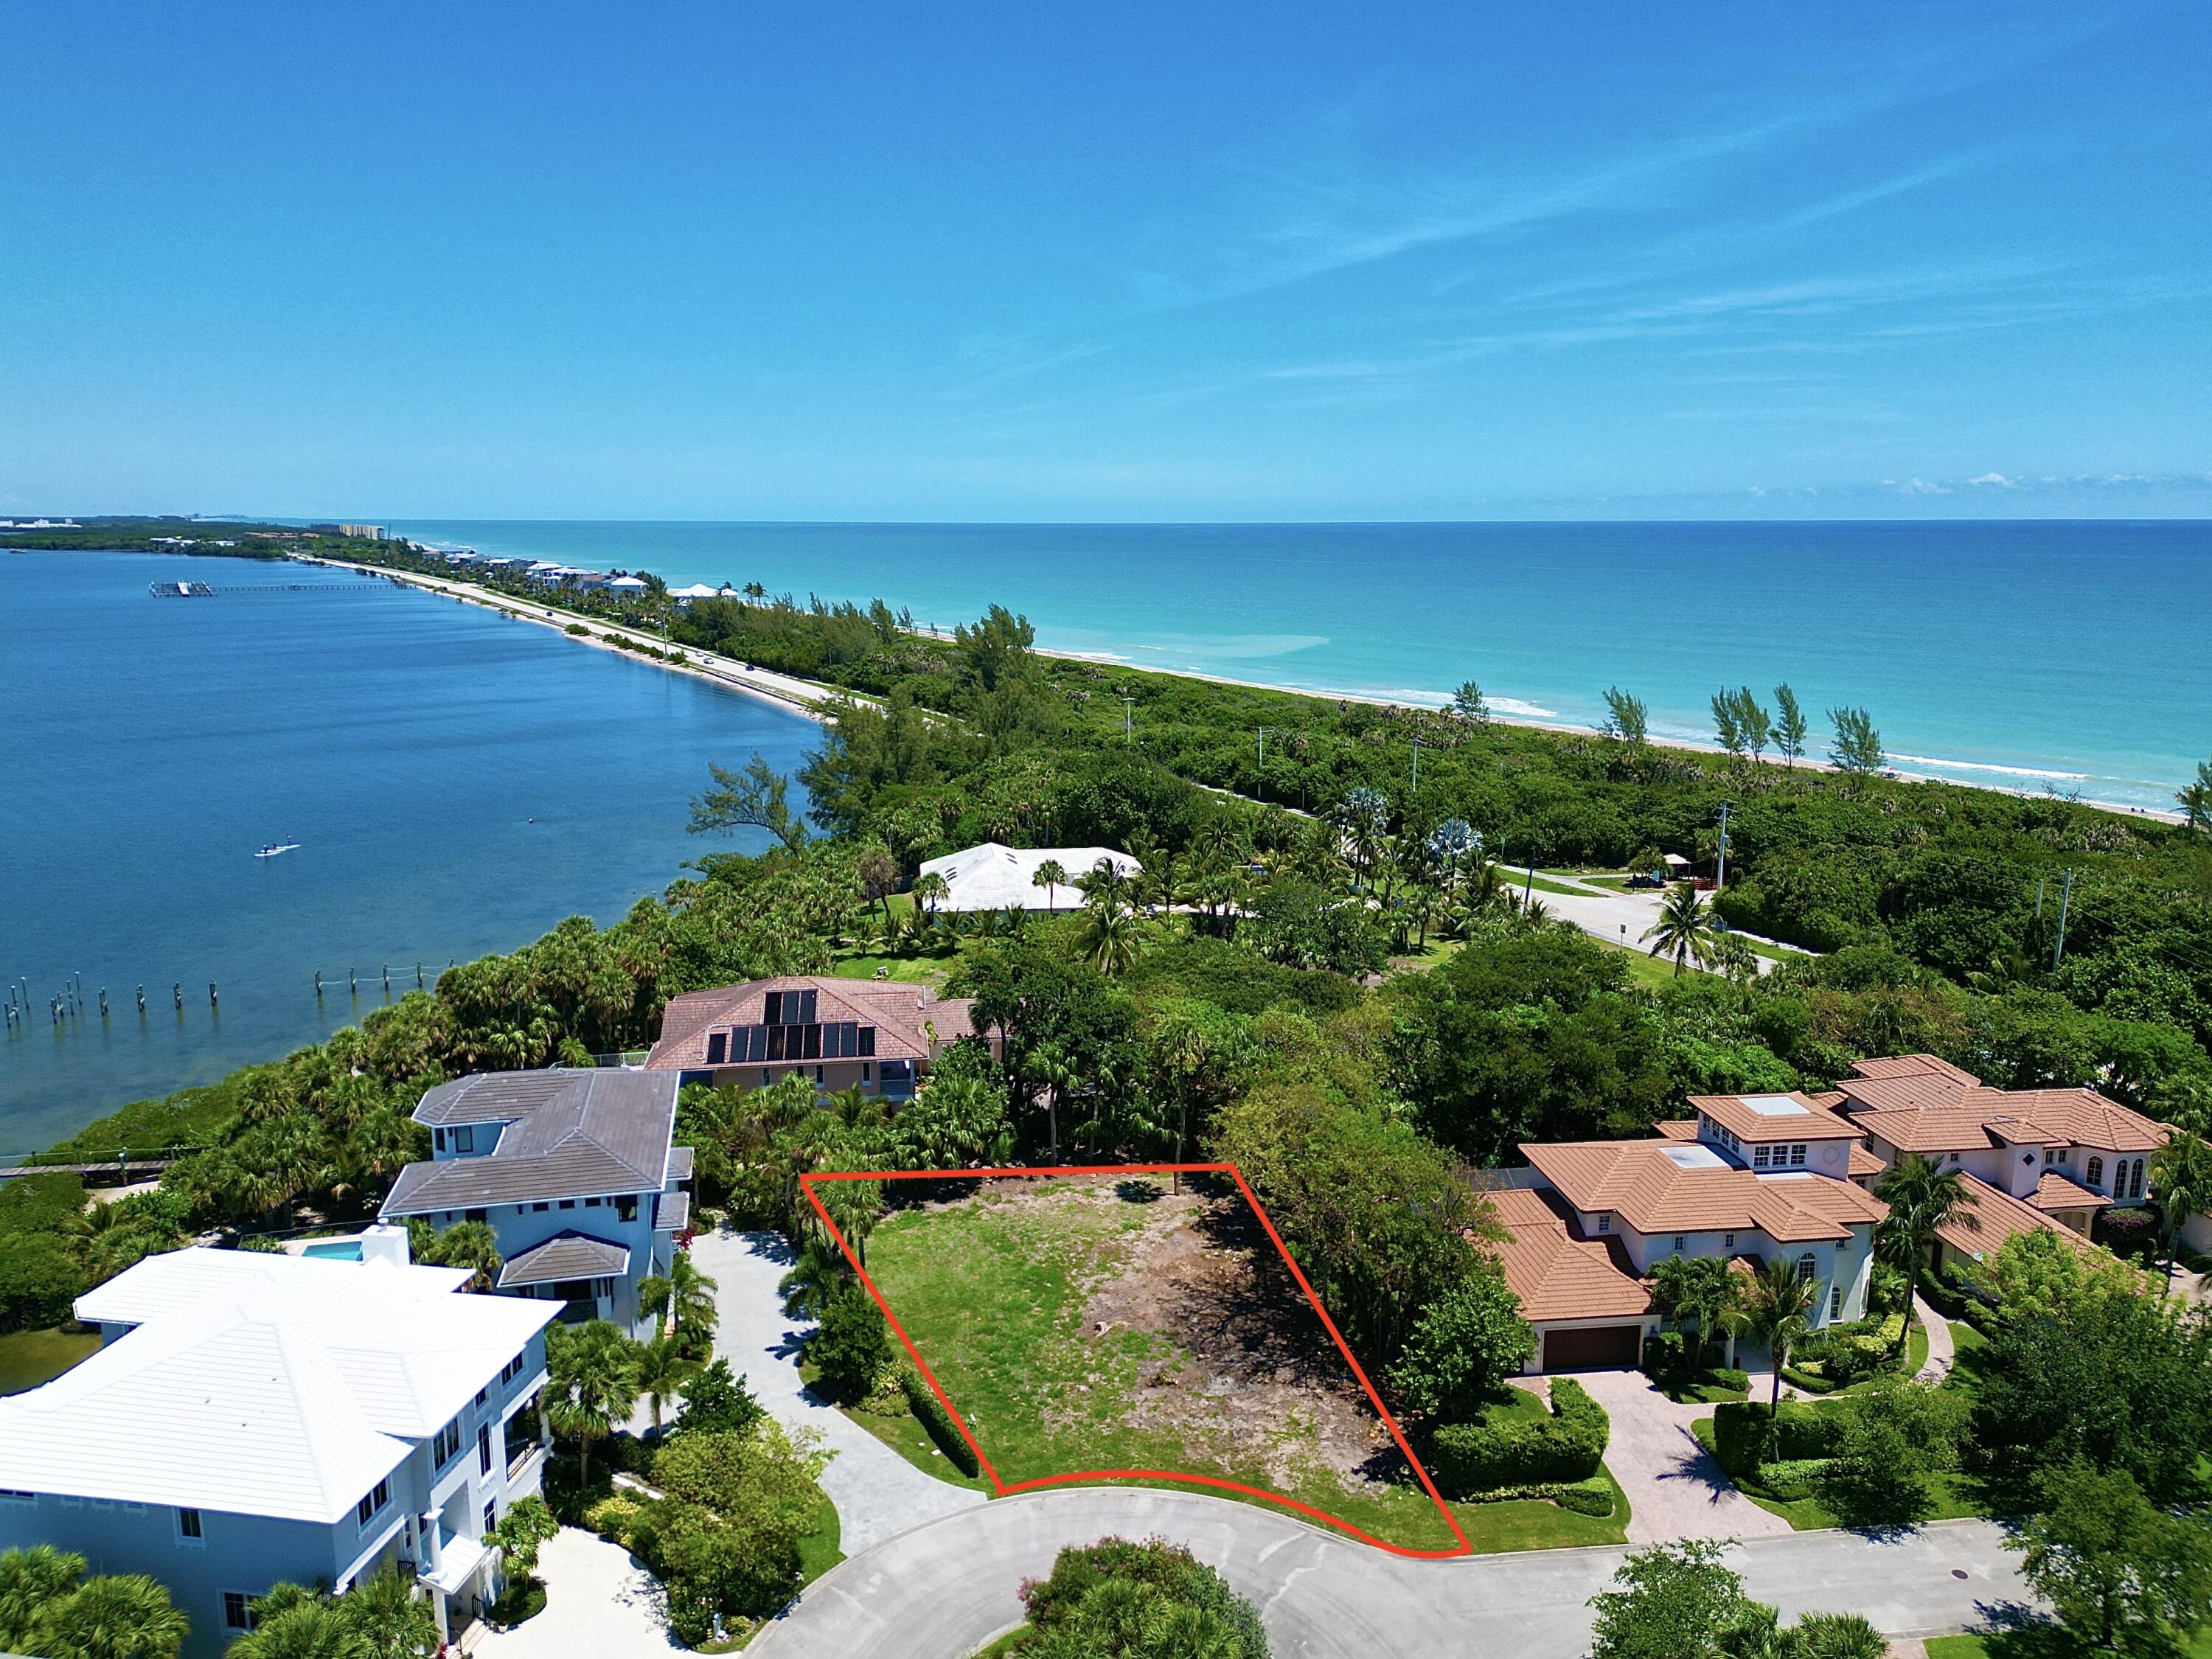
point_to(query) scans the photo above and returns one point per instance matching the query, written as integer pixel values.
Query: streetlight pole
(1719, 873)
(1128, 717)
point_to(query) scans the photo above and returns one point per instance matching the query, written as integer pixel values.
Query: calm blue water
(459, 783)
(2068, 654)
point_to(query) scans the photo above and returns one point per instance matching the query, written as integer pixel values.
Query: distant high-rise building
(367, 533)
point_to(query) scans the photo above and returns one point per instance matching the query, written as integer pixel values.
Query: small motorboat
(270, 849)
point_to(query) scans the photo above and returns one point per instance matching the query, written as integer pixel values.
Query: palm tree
(473, 1245)
(2195, 800)
(1052, 876)
(1684, 930)
(592, 1384)
(1108, 939)
(32, 1581)
(2181, 1175)
(693, 1311)
(1778, 1313)
(126, 1616)
(313, 1628)
(930, 888)
(1922, 1195)
(394, 1621)
(663, 1369)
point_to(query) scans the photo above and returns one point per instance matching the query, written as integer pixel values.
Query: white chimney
(387, 1244)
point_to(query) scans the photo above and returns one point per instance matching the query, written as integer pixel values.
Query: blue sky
(1102, 263)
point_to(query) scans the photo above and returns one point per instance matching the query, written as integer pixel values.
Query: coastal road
(1617, 917)
(798, 696)
(943, 1590)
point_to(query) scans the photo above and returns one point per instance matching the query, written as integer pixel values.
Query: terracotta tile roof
(1557, 1276)
(1969, 1119)
(2000, 1217)
(1864, 1162)
(2056, 1192)
(1898, 1066)
(1679, 1128)
(1655, 1193)
(904, 1016)
(1770, 1118)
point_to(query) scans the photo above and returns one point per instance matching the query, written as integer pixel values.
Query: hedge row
(1787, 1479)
(1561, 1450)
(921, 1400)
(1744, 1439)
(1595, 1496)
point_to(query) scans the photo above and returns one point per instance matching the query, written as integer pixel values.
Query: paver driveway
(1675, 1489)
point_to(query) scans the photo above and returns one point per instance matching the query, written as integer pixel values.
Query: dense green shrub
(1786, 1479)
(922, 1400)
(1468, 1339)
(1594, 1497)
(1118, 1599)
(1567, 1446)
(1744, 1439)
(851, 1346)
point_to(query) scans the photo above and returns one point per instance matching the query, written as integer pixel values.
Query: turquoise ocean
(2075, 656)
(459, 783)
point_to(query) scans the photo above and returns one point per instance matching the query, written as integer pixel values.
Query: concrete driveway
(943, 1590)
(599, 1604)
(878, 1493)
(1675, 1489)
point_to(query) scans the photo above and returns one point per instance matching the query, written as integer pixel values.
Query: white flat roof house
(255, 1419)
(996, 877)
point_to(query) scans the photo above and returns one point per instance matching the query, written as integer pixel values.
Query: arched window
(1807, 1265)
(2096, 1172)
(2134, 1186)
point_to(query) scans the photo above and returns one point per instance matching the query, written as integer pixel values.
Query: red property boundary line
(1001, 1488)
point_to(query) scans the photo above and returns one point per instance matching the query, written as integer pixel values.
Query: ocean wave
(1515, 706)
(1986, 766)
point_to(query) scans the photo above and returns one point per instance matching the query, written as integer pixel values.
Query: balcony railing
(519, 1464)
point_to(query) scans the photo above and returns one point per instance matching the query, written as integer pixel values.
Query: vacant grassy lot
(1105, 1324)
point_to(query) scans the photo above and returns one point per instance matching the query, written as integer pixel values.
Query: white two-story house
(257, 1418)
(1754, 1178)
(575, 1174)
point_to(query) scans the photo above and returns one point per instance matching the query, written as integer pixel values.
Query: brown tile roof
(2056, 1192)
(1770, 1118)
(1864, 1162)
(1968, 1118)
(2001, 1217)
(904, 1016)
(1679, 1128)
(1656, 1194)
(564, 1257)
(1556, 1276)
(1927, 1065)
(568, 1134)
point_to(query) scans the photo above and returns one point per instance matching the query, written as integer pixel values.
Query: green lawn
(1646, 970)
(819, 1551)
(1997, 1647)
(1011, 1643)
(1956, 1496)
(909, 969)
(30, 1358)
(995, 1292)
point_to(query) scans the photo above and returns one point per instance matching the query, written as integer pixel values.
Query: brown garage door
(1596, 1348)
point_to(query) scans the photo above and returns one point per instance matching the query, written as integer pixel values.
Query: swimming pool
(334, 1249)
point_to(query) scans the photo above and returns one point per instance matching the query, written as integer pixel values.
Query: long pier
(131, 1169)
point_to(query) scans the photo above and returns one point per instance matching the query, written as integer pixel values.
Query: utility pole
(1263, 762)
(1719, 873)
(1417, 763)
(1128, 717)
(2065, 894)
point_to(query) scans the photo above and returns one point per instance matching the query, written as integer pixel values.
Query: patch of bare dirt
(1244, 1363)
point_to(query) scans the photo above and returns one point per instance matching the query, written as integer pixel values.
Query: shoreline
(805, 697)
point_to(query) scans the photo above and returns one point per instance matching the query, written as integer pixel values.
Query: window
(1797, 1155)
(1759, 1157)
(717, 1048)
(1807, 1265)
(464, 1138)
(483, 1449)
(2096, 1171)
(10, 1495)
(626, 1207)
(510, 1370)
(593, 1203)
(476, 1215)
(1605, 1223)
(2059, 1157)
(437, 1140)
(2135, 1186)
(539, 1206)
(1955, 1158)
(865, 1069)
(482, 1395)
(188, 1524)
(237, 1610)
(1836, 1302)
(1727, 1241)
(491, 1515)
(373, 1505)
(446, 1444)
(567, 1203)
(1682, 1242)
